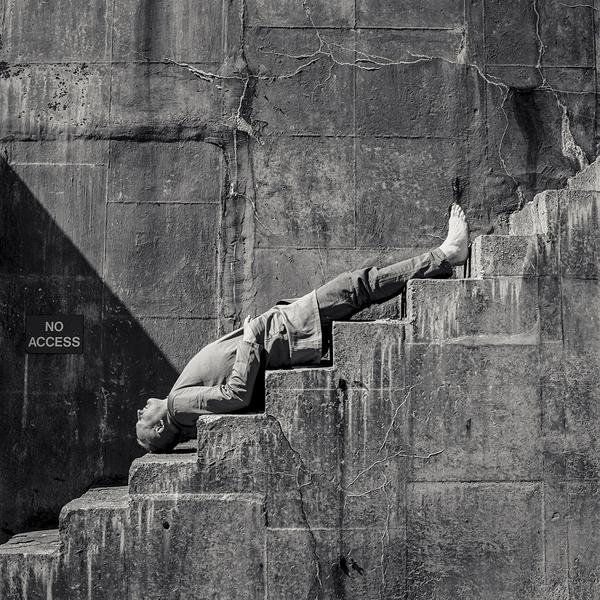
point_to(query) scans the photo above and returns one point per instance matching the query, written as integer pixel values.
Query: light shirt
(221, 377)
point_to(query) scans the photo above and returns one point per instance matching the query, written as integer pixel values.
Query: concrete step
(29, 566)
(163, 473)
(569, 220)
(369, 355)
(579, 234)
(473, 311)
(93, 532)
(151, 546)
(144, 547)
(197, 546)
(229, 458)
(540, 216)
(587, 179)
(506, 255)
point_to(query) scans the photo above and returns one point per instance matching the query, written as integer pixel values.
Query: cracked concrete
(249, 151)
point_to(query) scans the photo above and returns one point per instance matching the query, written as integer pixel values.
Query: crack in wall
(385, 540)
(393, 422)
(569, 147)
(239, 122)
(302, 467)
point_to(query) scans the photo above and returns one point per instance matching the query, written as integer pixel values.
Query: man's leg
(354, 291)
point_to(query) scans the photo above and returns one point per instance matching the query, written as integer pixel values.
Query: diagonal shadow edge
(68, 418)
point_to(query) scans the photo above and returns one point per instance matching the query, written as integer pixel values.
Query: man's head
(154, 430)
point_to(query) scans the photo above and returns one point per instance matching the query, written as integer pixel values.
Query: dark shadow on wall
(67, 419)
(535, 135)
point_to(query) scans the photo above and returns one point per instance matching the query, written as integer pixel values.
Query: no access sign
(60, 334)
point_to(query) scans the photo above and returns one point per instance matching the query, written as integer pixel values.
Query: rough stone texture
(386, 100)
(503, 310)
(178, 284)
(164, 474)
(165, 201)
(580, 235)
(199, 546)
(316, 100)
(474, 540)
(304, 489)
(29, 566)
(539, 216)
(370, 358)
(232, 453)
(156, 30)
(587, 179)
(185, 172)
(287, 13)
(345, 564)
(161, 97)
(310, 181)
(94, 530)
(393, 202)
(391, 13)
(582, 511)
(450, 454)
(494, 255)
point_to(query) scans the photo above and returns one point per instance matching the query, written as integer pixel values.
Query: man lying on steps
(220, 378)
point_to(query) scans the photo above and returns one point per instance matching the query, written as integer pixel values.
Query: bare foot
(455, 246)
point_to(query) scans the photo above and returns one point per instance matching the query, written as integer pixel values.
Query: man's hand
(251, 331)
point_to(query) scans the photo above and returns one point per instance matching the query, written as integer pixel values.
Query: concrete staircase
(451, 454)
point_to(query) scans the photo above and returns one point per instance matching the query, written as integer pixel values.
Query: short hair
(158, 443)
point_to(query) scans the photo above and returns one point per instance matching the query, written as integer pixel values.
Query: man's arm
(186, 404)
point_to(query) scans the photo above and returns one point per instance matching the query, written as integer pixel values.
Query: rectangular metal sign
(54, 334)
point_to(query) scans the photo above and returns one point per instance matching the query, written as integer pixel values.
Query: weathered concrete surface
(153, 172)
(93, 532)
(495, 255)
(29, 566)
(349, 563)
(580, 235)
(164, 474)
(466, 311)
(570, 407)
(292, 141)
(177, 285)
(197, 546)
(588, 179)
(284, 169)
(474, 540)
(450, 454)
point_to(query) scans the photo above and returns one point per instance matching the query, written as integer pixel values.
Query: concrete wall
(168, 167)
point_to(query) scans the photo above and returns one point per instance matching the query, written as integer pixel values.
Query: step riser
(94, 559)
(94, 532)
(151, 475)
(508, 256)
(588, 179)
(29, 577)
(570, 224)
(197, 546)
(231, 458)
(501, 310)
(539, 217)
(580, 236)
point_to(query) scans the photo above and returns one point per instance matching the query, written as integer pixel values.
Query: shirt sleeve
(186, 404)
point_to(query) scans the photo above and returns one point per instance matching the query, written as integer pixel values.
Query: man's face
(152, 415)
